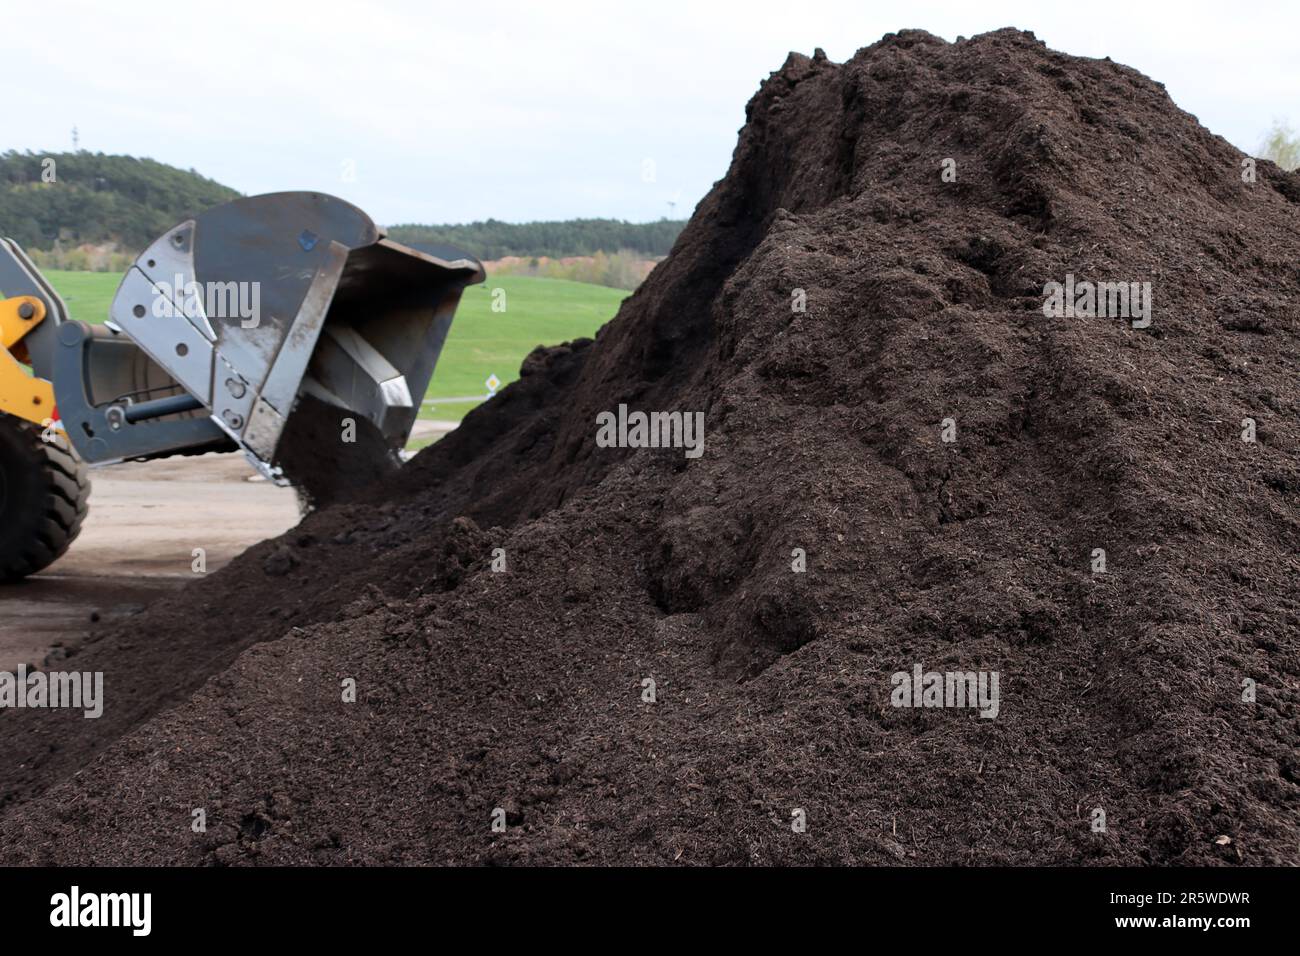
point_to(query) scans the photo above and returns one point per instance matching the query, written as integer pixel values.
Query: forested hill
(95, 198)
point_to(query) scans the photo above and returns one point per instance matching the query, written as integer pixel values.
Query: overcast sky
(449, 112)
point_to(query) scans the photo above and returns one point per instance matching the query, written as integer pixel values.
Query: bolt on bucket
(291, 304)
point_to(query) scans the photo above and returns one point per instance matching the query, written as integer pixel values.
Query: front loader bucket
(269, 304)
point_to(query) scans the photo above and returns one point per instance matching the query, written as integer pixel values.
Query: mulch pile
(330, 453)
(524, 690)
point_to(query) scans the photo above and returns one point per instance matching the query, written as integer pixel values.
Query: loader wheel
(44, 493)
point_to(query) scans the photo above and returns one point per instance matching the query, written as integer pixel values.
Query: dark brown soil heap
(323, 466)
(523, 690)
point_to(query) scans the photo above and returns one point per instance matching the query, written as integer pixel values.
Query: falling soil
(648, 678)
(329, 453)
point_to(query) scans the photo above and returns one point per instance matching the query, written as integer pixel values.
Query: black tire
(44, 496)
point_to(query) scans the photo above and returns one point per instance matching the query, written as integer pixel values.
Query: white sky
(457, 111)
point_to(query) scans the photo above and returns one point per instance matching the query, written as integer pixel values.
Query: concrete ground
(138, 543)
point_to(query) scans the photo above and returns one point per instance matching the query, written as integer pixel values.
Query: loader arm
(227, 321)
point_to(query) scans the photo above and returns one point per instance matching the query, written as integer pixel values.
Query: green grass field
(87, 294)
(482, 343)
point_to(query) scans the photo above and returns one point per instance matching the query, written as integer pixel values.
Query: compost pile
(522, 697)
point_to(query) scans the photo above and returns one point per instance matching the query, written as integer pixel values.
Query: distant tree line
(618, 270)
(78, 198)
(494, 239)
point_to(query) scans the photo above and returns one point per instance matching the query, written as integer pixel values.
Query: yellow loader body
(21, 393)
